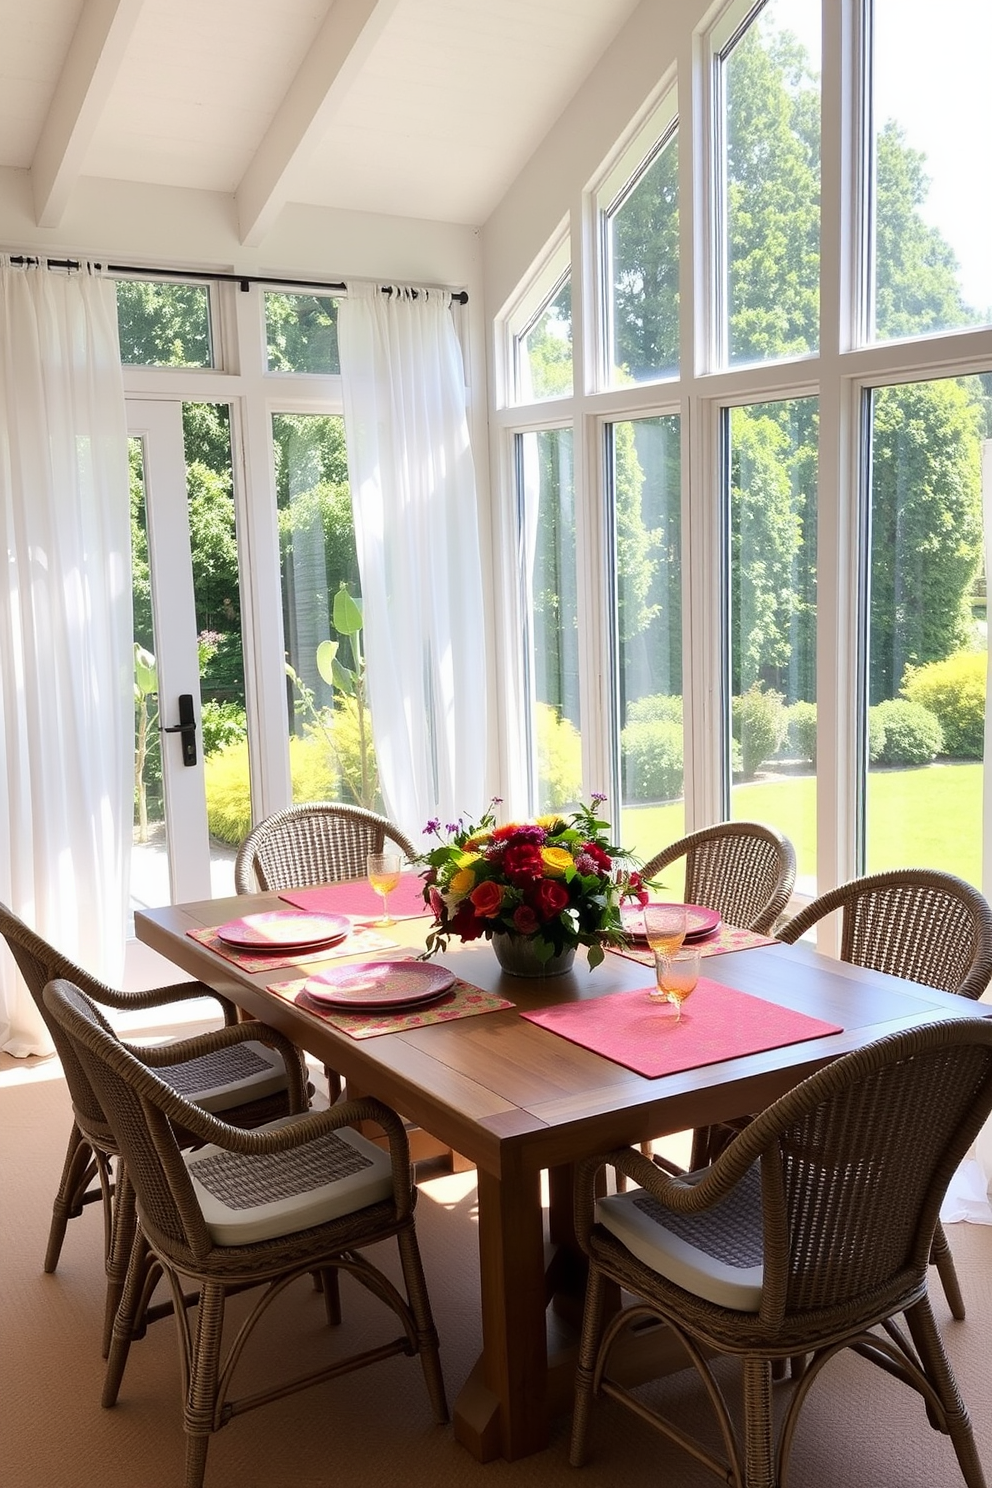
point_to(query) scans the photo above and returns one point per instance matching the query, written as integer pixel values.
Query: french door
(172, 859)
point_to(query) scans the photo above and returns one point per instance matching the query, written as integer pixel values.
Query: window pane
(544, 350)
(645, 471)
(932, 216)
(164, 325)
(927, 634)
(643, 250)
(301, 331)
(330, 749)
(548, 514)
(771, 89)
(773, 465)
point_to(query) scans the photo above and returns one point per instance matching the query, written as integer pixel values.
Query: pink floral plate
(379, 984)
(284, 930)
(700, 922)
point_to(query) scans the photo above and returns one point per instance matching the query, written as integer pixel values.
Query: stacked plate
(284, 930)
(700, 922)
(385, 985)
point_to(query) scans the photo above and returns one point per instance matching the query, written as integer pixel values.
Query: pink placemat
(355, 897)
(717, 1023)
(358, 943)
(463, 1001)
(726, 938)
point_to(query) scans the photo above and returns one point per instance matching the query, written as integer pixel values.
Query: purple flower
(434, 825)
(451, 827)
(597, 797)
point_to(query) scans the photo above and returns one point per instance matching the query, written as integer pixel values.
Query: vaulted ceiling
(418, 108)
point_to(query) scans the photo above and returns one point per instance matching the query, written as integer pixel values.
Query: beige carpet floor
(374, 1428)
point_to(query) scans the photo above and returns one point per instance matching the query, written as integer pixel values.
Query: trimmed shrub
(760, 722)
(912, 733)
(657, 707)
(802, 731)
(876, 736)
(953, 690)
(652, 760)
(559, 757)
(228, 793)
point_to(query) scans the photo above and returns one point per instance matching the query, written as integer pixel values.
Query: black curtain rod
(244, 280)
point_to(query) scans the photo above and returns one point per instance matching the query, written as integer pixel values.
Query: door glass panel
(931, 221)
(149, 864)
(332, 757)
(547, 505)
(217, 597)
(928, 637)
(771, 93)
(646, 486)
(773, 464)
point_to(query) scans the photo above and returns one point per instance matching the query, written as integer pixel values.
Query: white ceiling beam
(347, 36)
(91, 65)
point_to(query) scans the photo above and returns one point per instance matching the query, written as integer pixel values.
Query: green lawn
(929, 818)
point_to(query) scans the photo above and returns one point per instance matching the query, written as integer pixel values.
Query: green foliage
(656, 708)
(802, 731)
(954, 691)
(222, 724)
(163, 325)
(645, 231)
(926, 526)
(559, 757)
(547, 349)
(652, 753)
(910, 733)
(760, 723)
(302, 333)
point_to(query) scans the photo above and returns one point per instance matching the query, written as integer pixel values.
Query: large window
(783, 444)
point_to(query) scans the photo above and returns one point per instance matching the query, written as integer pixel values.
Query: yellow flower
(462, 882)
(557, 861)
(466, 859)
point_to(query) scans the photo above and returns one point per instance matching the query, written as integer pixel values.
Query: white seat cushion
(247, 1198)
(229, 1077)
(716, 1254)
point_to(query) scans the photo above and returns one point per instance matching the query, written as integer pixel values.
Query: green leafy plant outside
(953, 690)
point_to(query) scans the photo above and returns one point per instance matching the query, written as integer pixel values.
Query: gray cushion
(247, 1198)
(716, 1253)
(228, 1077)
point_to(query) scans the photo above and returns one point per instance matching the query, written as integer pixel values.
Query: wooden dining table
(518, 1101)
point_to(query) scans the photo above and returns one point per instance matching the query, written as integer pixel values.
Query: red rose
(487, 899)
(522, 862)
(464, 922)
(637, 890)
(437, 904)
(524, 919)
(550, 898)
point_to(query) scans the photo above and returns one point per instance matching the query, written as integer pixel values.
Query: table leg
(503, 1408)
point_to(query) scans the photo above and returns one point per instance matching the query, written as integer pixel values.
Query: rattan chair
(744, 870)
(251, 1081)
(254, 1208)
(919, 923)
(316, 842)
(809, 1234)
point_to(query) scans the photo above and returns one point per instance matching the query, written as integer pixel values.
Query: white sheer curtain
(416, 529)
(66, 675)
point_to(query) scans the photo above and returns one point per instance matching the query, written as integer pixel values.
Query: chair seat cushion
(246, 1198)
(228, 1077)
(716, 1254)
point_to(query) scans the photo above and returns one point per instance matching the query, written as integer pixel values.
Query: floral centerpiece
(556, 883)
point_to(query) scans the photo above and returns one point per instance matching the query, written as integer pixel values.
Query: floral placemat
(358, 943)
(726, 938)
(463, 1001)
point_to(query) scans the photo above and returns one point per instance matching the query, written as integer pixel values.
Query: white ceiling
(420, 108)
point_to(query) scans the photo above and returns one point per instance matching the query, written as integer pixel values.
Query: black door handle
(185, 728)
